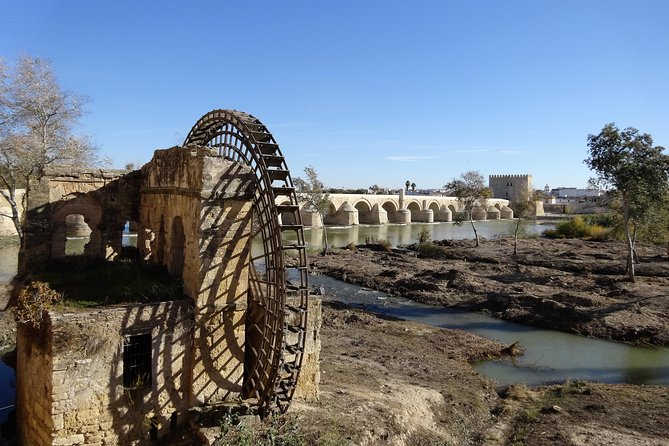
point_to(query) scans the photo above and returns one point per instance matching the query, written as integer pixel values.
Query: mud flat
(387, 382)
(569, 285)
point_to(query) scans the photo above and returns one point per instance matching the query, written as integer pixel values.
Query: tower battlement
(512, 187)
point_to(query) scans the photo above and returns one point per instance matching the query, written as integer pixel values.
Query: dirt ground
(387, 382)
(570, 285)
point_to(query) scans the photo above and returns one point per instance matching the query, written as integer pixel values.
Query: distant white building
(573, 192)
(571, 195)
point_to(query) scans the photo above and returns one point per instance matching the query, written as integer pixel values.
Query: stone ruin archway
(278, 327)
(231, 330)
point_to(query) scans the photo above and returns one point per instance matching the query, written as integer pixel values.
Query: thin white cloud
(410, 159)
(488, 149)
(471, 151)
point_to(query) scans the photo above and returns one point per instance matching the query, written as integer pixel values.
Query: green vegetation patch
(91, 282)
(580, 227)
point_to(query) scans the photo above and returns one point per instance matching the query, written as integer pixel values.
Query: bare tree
(37, 118)
(312, 192)
(524, 208)
(471, 191)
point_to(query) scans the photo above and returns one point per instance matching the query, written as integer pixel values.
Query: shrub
(604, 220)
(429, 250)
(378, 245)
(424, 236)
(33, 301)
(578, 227)
(274, 431)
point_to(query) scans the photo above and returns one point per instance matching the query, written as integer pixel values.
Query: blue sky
(367, 92)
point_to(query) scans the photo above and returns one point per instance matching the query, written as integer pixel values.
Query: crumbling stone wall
(71, 390)
(195, 215)
(105, 198)
(196, 219)
(310, 374)
(34, 368)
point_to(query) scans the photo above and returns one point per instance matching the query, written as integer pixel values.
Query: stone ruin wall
(79, 373)
(34, 368)
(201, 205)
(105, 198)
(210, 199)
(310, 374)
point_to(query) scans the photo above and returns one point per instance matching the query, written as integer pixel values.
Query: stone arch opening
(414, 208)
(434, 206)
(77, 235)
(452, 208)
(498, 206)
(177, 244)
(130, 231)
(392, 211)
(364, 212)
(288, 217)
(76, 228)
(389, 207)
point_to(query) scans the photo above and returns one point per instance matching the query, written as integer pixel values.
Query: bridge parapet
(353, 209)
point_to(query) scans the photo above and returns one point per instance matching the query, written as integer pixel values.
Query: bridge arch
(363, 204)
(434, 205)
(390, 206)
(414, 209)
(286, 217)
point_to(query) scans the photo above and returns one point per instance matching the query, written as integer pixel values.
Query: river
(406, 234)
(550, 356)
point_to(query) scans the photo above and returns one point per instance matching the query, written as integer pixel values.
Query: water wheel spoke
(280, 328)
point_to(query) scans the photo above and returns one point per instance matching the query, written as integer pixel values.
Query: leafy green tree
(312, 192)
(37, 121)
(471, 191)
(637, 172)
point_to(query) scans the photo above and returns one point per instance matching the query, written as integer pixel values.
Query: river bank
(569, 285)
(390, 382)
(387, 382)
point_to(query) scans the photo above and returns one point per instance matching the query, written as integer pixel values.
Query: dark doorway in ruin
(177, 242)
(137, 362)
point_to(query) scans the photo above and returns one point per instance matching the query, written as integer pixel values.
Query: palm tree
(407, 184)
(413, 187)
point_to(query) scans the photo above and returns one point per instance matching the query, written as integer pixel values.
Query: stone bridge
(354, 209)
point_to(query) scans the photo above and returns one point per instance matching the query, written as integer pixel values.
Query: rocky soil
(570, 285)
(388, 382)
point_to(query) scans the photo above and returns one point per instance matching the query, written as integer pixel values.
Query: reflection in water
(407, 234)
(550, 356)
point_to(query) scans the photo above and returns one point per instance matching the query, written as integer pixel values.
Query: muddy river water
(550, 356)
